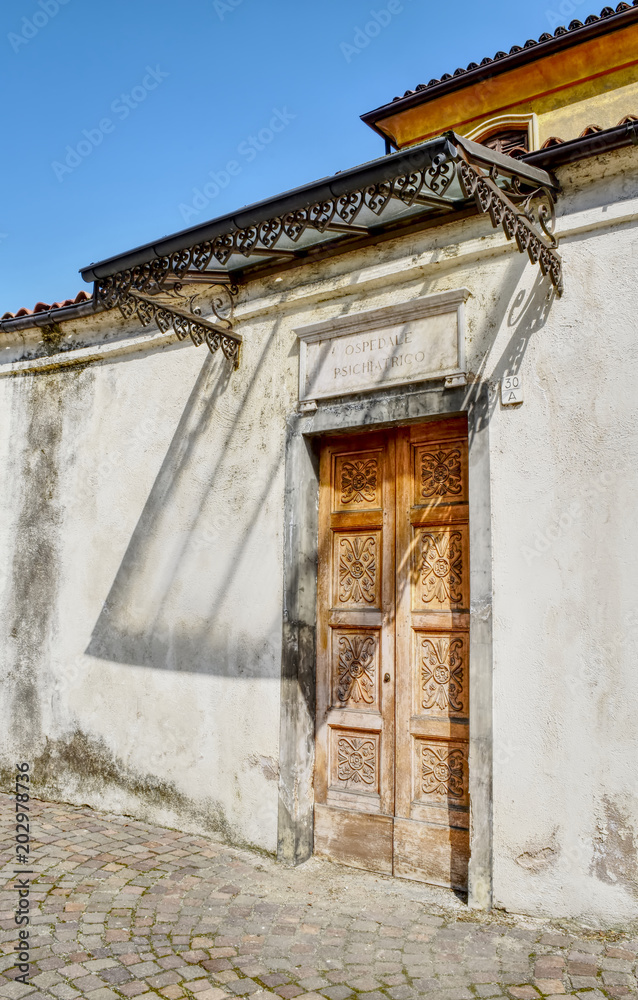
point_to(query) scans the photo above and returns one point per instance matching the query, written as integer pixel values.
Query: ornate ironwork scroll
(519, 214)
(526, 215)
(113, 292)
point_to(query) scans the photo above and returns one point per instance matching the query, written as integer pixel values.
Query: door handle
(386, 678)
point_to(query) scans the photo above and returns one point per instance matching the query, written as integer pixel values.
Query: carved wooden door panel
(391, 775)
(354, 769)
(431, 827)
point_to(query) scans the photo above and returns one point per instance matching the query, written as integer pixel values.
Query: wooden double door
(392, 727)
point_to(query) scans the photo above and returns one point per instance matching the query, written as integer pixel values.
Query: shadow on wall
(525, 314)
(138, 624)
(172, 562)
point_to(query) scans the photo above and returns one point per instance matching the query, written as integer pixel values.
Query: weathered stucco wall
(142, 526)
(566, 575)
(143, 536)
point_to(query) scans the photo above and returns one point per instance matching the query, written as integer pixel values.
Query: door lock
(386, 678)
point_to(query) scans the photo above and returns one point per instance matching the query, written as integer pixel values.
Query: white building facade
(161, 537)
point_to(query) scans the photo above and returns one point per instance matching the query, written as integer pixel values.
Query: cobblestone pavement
(126, 909)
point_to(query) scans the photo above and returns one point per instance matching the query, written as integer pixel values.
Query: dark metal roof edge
(335, 185)
(373, 172)
(588, 145)
(508, 164)
(495, 67)
(49, 316)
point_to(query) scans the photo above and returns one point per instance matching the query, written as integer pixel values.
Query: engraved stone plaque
(411, 342)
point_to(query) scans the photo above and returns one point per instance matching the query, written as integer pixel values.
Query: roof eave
(468, 78)
(371, 173)
(49, 316)
(595, 144)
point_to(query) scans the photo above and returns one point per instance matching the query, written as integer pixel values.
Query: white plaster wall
(166, 521)
(153, 685)
(565, 536)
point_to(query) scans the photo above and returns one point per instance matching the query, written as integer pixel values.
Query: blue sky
(121, 118)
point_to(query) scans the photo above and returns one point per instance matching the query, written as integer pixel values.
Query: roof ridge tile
(530, 43)
(82, 296)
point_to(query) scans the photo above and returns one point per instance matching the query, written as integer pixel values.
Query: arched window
(513, 135)
(511, 141)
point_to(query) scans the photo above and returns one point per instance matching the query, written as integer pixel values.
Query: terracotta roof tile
(82, 296)
(545, 37)
(590, 130)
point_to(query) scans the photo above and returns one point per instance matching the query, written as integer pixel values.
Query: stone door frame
(297, 720)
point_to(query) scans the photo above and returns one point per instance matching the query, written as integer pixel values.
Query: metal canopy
(435, 179)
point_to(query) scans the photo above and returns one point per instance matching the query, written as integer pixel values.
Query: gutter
(50, 316)
(374, 172)
(589, 145)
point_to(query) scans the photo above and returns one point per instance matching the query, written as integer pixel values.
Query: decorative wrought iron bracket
(121, 290)
(438, 177)
(528, 218)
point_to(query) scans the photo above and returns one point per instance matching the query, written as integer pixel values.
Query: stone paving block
(164, 979)
(143, 969)
(65, 992)
(251, 970)
(584, 982)
(274, 980)
(46, 979)
(553, 986)
(615, 964)
(149, 995)
(211, 918)
(15, 991)
(97, 964)
(134, 989)
(311, 983)
(616, 979)
(452, 994)
(337, 992)
(555, 939)
(548, 966)
(225, 977)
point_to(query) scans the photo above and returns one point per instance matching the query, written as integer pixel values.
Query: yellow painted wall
(586, 107)
(595, 82)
